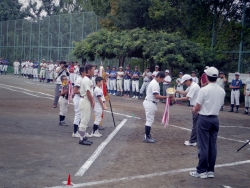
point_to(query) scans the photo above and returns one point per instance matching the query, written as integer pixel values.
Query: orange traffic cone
(69, 181)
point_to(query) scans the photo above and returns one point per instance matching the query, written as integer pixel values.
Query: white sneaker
(113, 93)
(88, 135)
(136, 97)
(198, 175)
(187, 143)
(96, 134)
(133, 97)
(210, 174)
(76, 135)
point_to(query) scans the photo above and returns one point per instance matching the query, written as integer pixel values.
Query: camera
(65, 66)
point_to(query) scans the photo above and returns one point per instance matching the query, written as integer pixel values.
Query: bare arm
(102, 104)
(158, 96)
(76, 90)
(197, 108)
(181, 92)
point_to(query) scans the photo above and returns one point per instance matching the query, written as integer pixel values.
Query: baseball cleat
(149, 140)
(187, 143)
(133, 97)
(198, 175)
(100, 128)
(76, 135)
(85, 141)
(210, 174)
(88, 135)
(62, 123)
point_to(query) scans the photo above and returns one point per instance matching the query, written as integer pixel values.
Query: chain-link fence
(49, 38)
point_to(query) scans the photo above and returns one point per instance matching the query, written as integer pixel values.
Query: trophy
(171, 93)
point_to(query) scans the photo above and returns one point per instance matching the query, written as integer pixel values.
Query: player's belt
(146, 81)
(235, 89)
(119, 79)
(135, 80)
(248, 89)
(81, 96)
(151, 101)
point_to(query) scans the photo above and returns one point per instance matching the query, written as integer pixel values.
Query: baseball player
(16, 65)
(63, 100)
(247, 94)
(76, 101)
(127, 77)
(76, 71)
(107, 77)
(156, 71)
(166, 83)
(86, 103)
(179, 85)
(42, 70)
(99, 106)
(221, 82)
(135, 83)
(5, 66)
(61, 70)
(235, 85)
(23, 68)
(204, 78)
(208, 104)
(95, 75)
(35, 70)
(112, 78)
(71, 71)
(54, 71)
(147, 76)
(194, 77)
(30, 69)
(51, 69)
(191, 93)
(152, 98)
(47, 75)
(27, 68)
(120, 75)
(1, 65)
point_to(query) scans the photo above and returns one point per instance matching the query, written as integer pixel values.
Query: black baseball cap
(114, 66)
(136, 66)
(128, 66)
(181, 73)
(221, 72)
(147, 67)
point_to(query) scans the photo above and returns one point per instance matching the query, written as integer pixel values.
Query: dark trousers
(57, 94)
(193, 137)
(207, 132)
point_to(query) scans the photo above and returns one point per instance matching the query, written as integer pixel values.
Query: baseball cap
(185, 77)
(156, 66)
(237, 74)
(114, 66)
(212, 72)
(193, 72)
(120, 67)
(128, 66)
(181, 73)
(147, 67)
(221, 72)
(136, 66)
(167, 71)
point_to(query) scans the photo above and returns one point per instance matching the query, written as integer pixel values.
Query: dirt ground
(36, 152)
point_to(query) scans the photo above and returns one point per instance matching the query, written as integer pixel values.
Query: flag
(165, 118)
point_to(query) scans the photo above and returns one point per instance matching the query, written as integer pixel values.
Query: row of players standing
(3, 66)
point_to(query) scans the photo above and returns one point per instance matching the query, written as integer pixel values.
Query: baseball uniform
(127, 79)
(120, 75)
(16, 65)
(146, 79)
(35, 71)
(179, 87)
(247, 96)
(135, 83)
(112, 79)
(42, 71)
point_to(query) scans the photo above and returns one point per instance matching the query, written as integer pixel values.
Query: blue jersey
(236, 83)
(136, 73)
(112, 75)
(126, 75)
(35, 65)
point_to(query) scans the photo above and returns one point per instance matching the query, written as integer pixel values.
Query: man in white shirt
(156, 71)
(120, 75)
(27, 68)
(179, 85)
(166, 83)
(208, 106)
(42, 72)
(51, 69)
(23, 68)
(221, 81)
(61, 70)
(86, 104)
(152, 98)
(147, 76)
(16, 65)
(30, 69)
(191, 93)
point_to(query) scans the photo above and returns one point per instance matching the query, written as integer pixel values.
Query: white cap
(237, 74)
(185, 77)
(212, 72)
(156, 66)
(167, 71)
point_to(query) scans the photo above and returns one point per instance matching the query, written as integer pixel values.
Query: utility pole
(242, 33)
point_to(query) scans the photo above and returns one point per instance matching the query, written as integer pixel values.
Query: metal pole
(7, 40)
(15, 41)
(38, 49)
(48, 48)
(58, 53)
(214, 25)
(30, 39)
(82, 25)
(1, 41)
(242, 34)
(70, 35)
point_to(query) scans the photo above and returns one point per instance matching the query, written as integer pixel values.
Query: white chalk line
(39, 84)
(241, 127)
(150, 175)
(97, 152)
(224, 138)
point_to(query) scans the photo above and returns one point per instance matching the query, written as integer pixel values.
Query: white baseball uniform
(154, 74)
(76, 101)
(16, 65)
(76, 73)
(247, 96)
(54, 71)
(27, 68)
(98, 107)
(195, 79)
(150, 102)
(63, 101)
(23, 68)
(42, 71)
(120, 75)
(179, 87)
(147, 78)
(51, 70)
(85, 105)
(30, 68)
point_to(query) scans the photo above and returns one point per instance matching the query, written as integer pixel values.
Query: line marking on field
(241, 127)
(97, 152)
(224, 138)
(123, 115)
(150, 175)
(39, 84)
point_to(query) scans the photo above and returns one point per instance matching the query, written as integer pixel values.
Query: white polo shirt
(192, 92)
(98, 93)
(16, 64)
(211, 98)
(120, 75)
(155, 73)
(196, 80)
(86, 85)
(58, 80)
(168, 79)
(153, 88)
